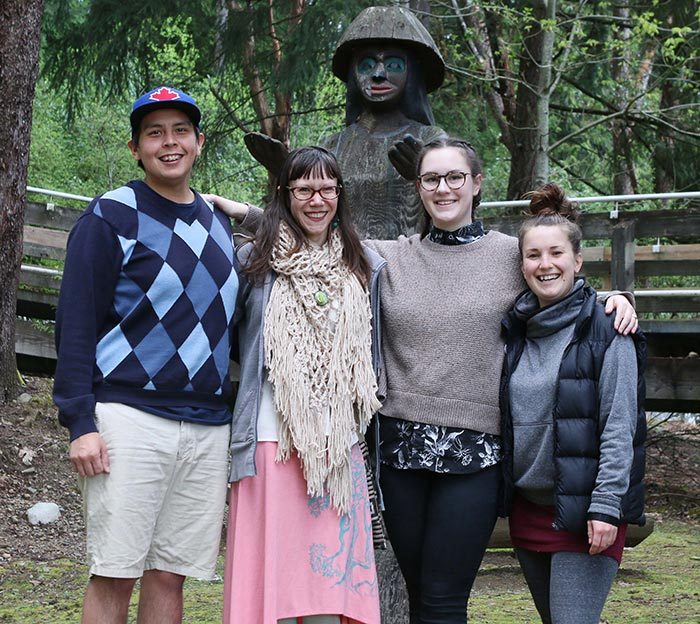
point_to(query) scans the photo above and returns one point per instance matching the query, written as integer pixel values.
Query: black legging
(439, 526)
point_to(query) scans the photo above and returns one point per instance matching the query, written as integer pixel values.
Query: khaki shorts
(161, 506)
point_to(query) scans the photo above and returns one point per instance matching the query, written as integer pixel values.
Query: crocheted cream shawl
(320, 367)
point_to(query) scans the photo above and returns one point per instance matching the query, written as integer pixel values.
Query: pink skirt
(289, 555)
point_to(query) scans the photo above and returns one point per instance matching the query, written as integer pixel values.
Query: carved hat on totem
(397, 26)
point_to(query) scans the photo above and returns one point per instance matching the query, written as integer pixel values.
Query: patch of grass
(32, 592)
(659, 580)
(41, 592)
(659, 583)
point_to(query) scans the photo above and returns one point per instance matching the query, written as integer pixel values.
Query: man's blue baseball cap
(164, 97)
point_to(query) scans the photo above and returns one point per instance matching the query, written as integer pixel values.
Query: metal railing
(50, 193)
(599, 199)
(517, 203)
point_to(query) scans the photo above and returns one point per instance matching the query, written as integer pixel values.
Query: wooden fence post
(622, 261)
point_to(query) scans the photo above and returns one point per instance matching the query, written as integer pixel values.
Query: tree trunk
(623, 170)
(393, 599)
(530, 126)
(664, 151)
(20, 28)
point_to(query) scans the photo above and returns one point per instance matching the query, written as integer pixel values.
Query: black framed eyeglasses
(305, 193)
(454, 180)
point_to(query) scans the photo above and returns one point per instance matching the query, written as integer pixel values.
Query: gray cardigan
(251, 305)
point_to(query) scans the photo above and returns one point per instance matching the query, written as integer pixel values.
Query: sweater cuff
(77, 414)
(80, 426)
(252, 219)
(604, 518)
(606, 504)
(625, 293)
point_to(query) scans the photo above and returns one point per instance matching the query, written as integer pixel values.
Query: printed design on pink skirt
(351, 561)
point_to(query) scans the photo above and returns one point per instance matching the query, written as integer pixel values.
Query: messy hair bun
(550, 199)
(549, 205)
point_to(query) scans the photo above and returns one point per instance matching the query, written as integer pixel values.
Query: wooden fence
(673, 372)
(673, 375)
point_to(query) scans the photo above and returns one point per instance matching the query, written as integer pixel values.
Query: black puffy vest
(576, 418)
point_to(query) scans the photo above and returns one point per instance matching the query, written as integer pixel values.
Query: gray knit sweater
(441, 309)
(532, 398)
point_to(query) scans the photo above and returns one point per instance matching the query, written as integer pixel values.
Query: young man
(143, 334)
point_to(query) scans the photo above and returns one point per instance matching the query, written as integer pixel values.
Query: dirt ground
(34, 467)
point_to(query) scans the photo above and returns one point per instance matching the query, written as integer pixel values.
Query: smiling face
(314, 215)
(167, 147)
(549, 263)
(380, 74)
(449, 208)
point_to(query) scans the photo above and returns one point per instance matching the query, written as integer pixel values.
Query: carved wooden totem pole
(389, 63)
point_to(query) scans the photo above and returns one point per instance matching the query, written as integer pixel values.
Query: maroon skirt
(531, 529)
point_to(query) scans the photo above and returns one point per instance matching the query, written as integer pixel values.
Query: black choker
(466, 234)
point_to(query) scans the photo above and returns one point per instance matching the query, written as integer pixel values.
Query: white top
(269, 419)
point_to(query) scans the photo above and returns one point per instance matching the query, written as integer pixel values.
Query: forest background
(599, 96)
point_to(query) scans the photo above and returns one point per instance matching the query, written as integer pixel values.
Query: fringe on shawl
(316, 372)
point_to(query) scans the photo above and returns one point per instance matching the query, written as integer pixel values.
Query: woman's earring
(335, 224)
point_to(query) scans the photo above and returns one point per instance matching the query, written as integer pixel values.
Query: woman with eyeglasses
(299, 545)
(443, 294)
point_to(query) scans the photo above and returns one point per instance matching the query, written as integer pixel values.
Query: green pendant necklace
(320, 297)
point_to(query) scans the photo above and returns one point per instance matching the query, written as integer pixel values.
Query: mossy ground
(659, 583)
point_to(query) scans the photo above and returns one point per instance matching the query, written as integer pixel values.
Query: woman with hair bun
(573, 423)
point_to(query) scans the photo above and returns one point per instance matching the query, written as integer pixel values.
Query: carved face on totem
(381, 73)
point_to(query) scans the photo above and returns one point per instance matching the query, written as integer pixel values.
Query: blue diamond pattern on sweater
(165, 290)
(194, 235)
(127, 296)
(175, 298)
(182, 259)
(201, 290)
(154, 235)
(127, 245)
(191, 352)
(155, 350)
(123, 195)
(228, 292)
(221, 357)
(222, 238)
(112, 350)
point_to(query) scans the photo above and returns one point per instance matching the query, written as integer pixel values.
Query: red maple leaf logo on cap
(164, 95)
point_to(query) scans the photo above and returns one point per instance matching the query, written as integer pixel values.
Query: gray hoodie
(533, 399)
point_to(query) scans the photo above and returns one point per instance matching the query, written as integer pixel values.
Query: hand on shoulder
(625, 315)
(232, 209)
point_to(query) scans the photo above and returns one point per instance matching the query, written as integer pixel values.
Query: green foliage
(84, 158)
(98, 55)
(657, 53)
(95, 78)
